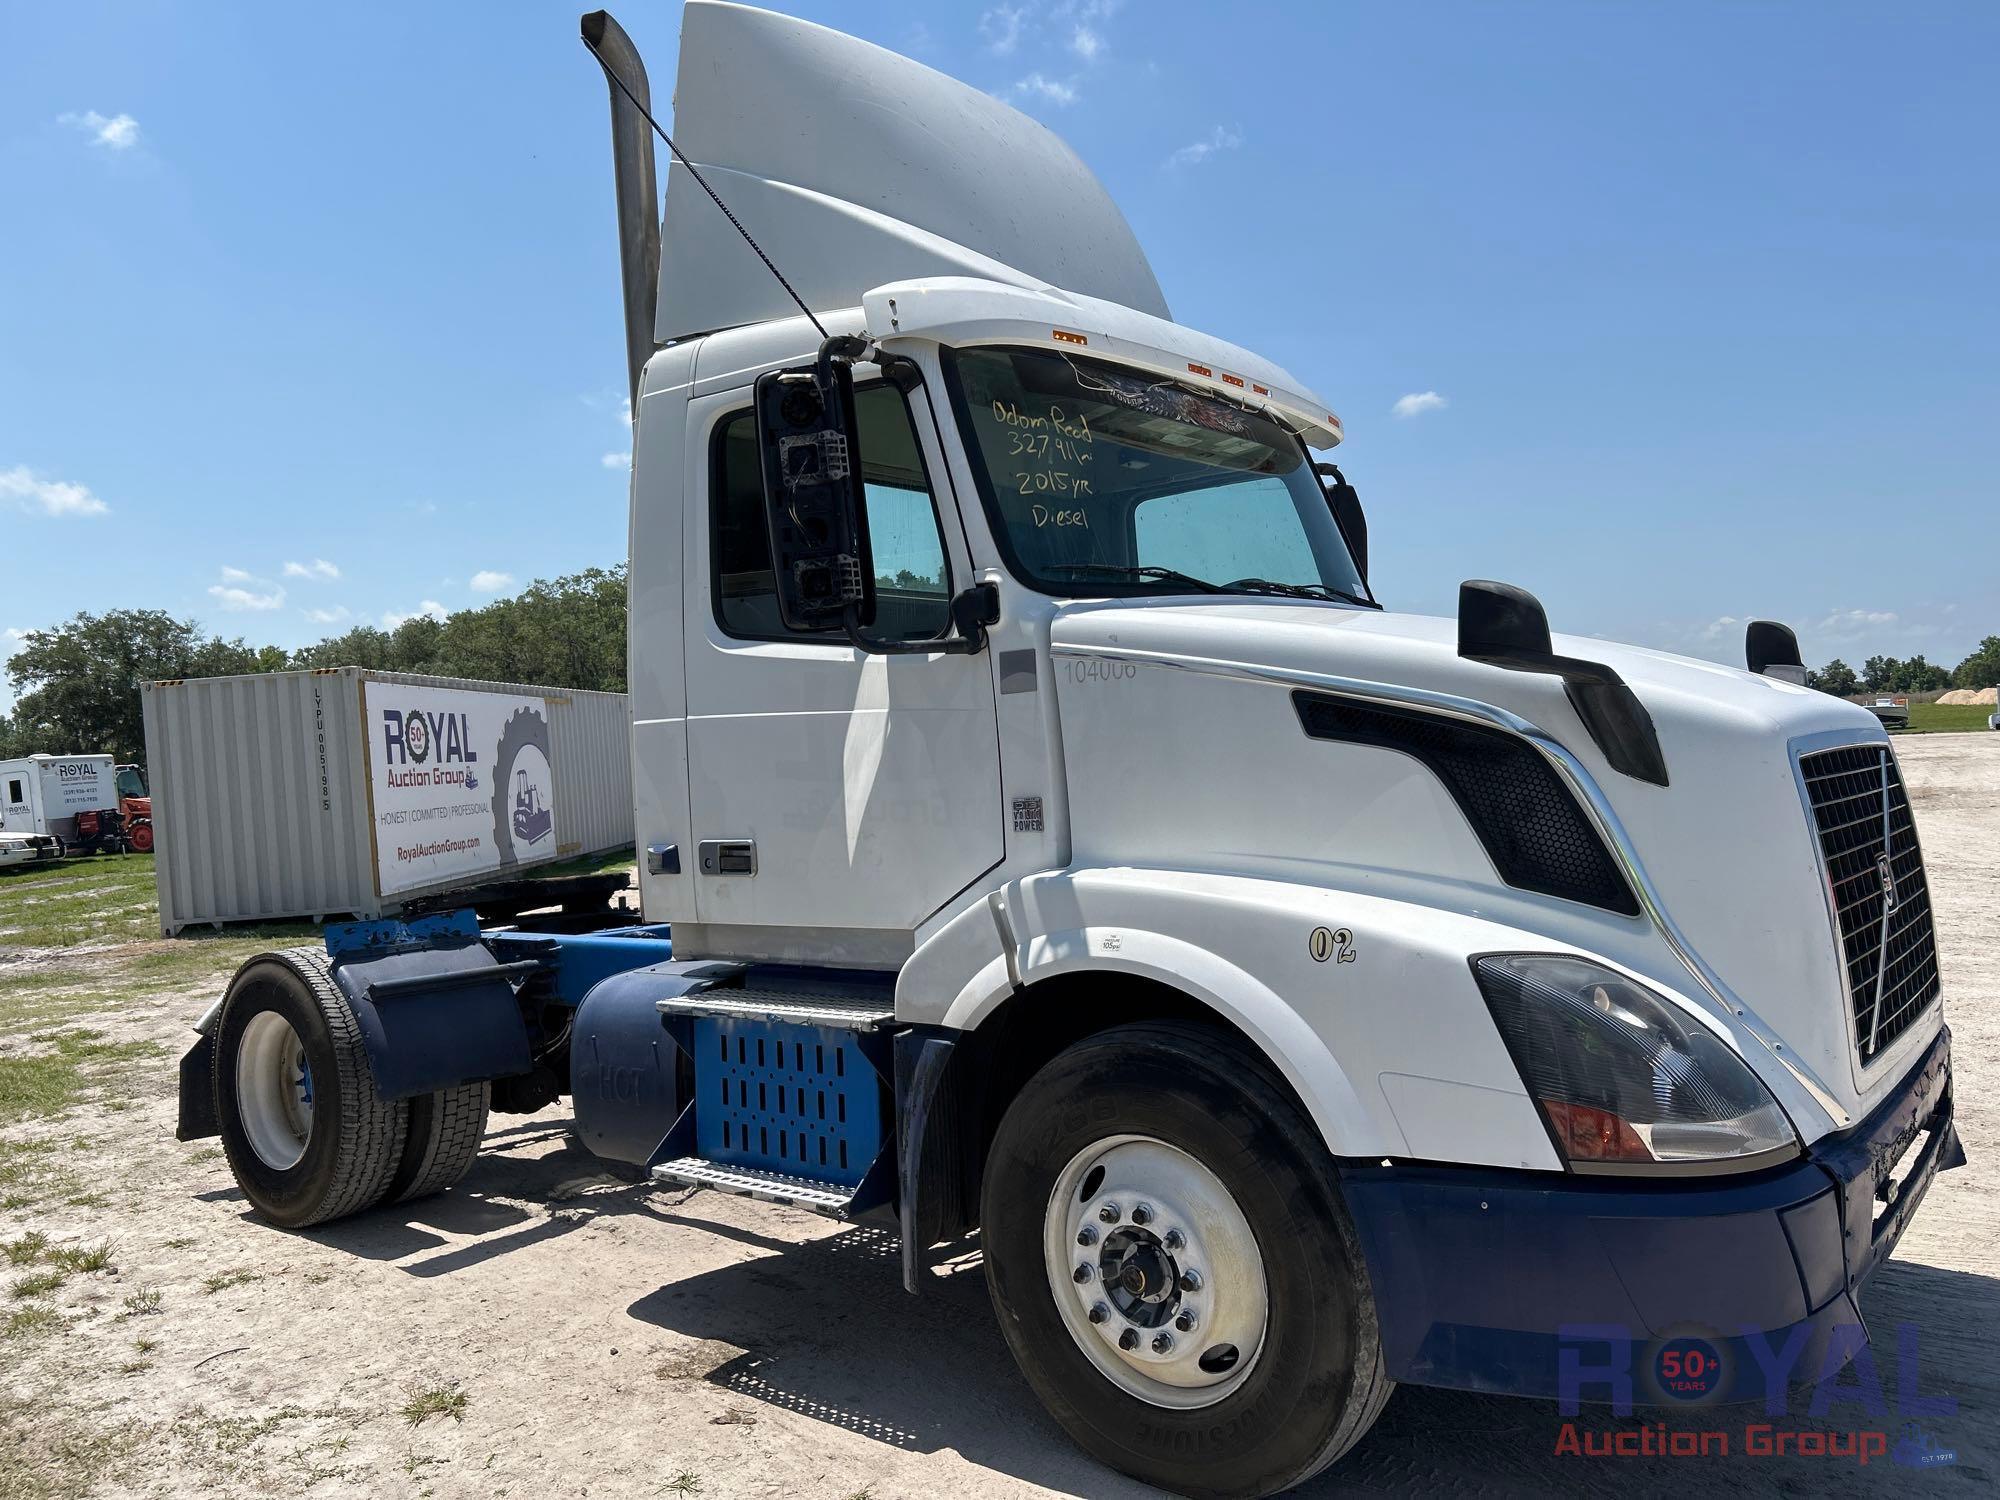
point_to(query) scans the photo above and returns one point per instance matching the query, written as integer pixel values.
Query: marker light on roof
(1194, 369)
(1064, 336)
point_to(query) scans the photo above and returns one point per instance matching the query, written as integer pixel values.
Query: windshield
(1100, 480)
(131, 782)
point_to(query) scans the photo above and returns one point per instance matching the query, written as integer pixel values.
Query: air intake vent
(1537, 836)
(1875, 879)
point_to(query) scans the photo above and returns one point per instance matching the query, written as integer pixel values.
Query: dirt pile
(1970, 695)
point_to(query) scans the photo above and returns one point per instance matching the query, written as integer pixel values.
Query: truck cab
(1046, 831)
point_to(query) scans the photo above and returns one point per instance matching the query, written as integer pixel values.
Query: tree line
(77, 683)
(1887, 674)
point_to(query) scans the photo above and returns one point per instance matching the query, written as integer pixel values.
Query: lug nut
(1190, 1281)
(1081, 1275)
(1142, 1214)
(1163, 1343)
(1129, 1339)
(1086, 1235)
(1108, 1213)
(1099, 1312)
(1175, 1240)
(1185, 1322)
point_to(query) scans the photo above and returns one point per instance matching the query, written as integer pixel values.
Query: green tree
(1918, 676)
(1878, 673)
(79, 681)
(1982, 668)
(1837, 678)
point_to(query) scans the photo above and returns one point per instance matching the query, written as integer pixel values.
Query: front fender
(1377, 1025)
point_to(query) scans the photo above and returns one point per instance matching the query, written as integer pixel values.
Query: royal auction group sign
(461, 783)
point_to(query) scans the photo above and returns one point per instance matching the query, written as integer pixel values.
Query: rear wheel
(443, 1139)
(307, 1136)
(1173, 1267)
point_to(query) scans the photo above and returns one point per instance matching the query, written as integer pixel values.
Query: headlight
(1621, 1076)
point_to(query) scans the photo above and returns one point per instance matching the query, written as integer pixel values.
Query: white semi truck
(1047, 834)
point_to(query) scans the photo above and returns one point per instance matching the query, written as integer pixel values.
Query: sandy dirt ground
(570, 1333)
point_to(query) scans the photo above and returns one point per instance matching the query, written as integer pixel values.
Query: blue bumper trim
(1482, 1276)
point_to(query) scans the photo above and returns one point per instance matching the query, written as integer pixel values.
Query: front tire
(307, 1136)
(1173, 1268)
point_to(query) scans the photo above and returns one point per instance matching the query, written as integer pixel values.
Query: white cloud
(237, 599)
(1040, 86)
(1222, 138)
(52, 497)
(616, 460)
(118, 133)
(1000, 28)
(319, 567)
(1854, 624)
(1086, 43)
(392, 618)
(1720, 626)
(234, 575)
(327, 616)
(490, 581)
(1418, 402)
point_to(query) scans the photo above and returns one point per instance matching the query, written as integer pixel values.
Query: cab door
(838, 798)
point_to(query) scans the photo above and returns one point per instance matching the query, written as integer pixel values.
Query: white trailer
(1059, 839)
(58, 797)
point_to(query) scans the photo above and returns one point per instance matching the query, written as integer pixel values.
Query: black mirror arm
(972, 610)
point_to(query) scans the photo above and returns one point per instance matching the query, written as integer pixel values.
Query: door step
(753, 1182)
(841, 1012)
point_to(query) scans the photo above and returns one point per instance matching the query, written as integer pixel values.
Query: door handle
(728, 856)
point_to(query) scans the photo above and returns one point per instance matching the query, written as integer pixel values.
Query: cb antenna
(693, 171)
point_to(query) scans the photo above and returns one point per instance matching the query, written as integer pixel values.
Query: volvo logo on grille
(1884, 869)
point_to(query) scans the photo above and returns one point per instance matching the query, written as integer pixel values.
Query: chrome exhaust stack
(637, 186)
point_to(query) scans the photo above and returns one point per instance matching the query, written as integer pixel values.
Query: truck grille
(1875, 878)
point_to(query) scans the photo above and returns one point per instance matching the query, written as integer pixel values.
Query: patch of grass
(205, 1155)
(27, 1249)
(40, 1284)
(46, 1083)
(180, 1242)
(1949, 718)
(223, 1281)
(142, 1303)
(85, 1259)
(687, 1482)
(433, 1400)
(26, 1322)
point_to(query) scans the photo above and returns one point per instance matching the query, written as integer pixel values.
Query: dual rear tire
(307, 1134)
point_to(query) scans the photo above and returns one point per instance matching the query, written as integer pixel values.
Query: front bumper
(1484, 1278)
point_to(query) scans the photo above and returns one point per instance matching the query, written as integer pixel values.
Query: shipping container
(343, 791)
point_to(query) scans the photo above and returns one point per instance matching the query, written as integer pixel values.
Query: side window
(14, 793)
(911, 583)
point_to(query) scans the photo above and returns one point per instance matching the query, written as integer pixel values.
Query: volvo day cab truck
(1046, 834)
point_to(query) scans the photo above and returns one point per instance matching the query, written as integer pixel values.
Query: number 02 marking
(1325, 942)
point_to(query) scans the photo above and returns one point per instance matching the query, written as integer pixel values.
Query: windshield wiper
(1298, 591)
(1161, 575)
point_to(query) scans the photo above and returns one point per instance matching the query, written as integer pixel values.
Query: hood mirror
(1505, 626)
(1772, 650)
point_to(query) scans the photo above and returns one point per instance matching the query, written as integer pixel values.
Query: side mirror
(1345, 503)
(813, 504)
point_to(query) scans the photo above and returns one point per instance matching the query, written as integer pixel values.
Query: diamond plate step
(772, 1187)
(791, 1007)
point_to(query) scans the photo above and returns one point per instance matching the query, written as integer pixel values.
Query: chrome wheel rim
(274, 1091)
(1156, 1272)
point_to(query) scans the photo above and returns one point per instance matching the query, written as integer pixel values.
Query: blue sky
(1674, 314)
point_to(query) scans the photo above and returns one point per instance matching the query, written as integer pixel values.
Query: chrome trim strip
(1573, 771)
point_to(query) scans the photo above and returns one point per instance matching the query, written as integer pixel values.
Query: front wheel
(1173, 1267)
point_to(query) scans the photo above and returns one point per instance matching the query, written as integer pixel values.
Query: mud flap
(198, 1122)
